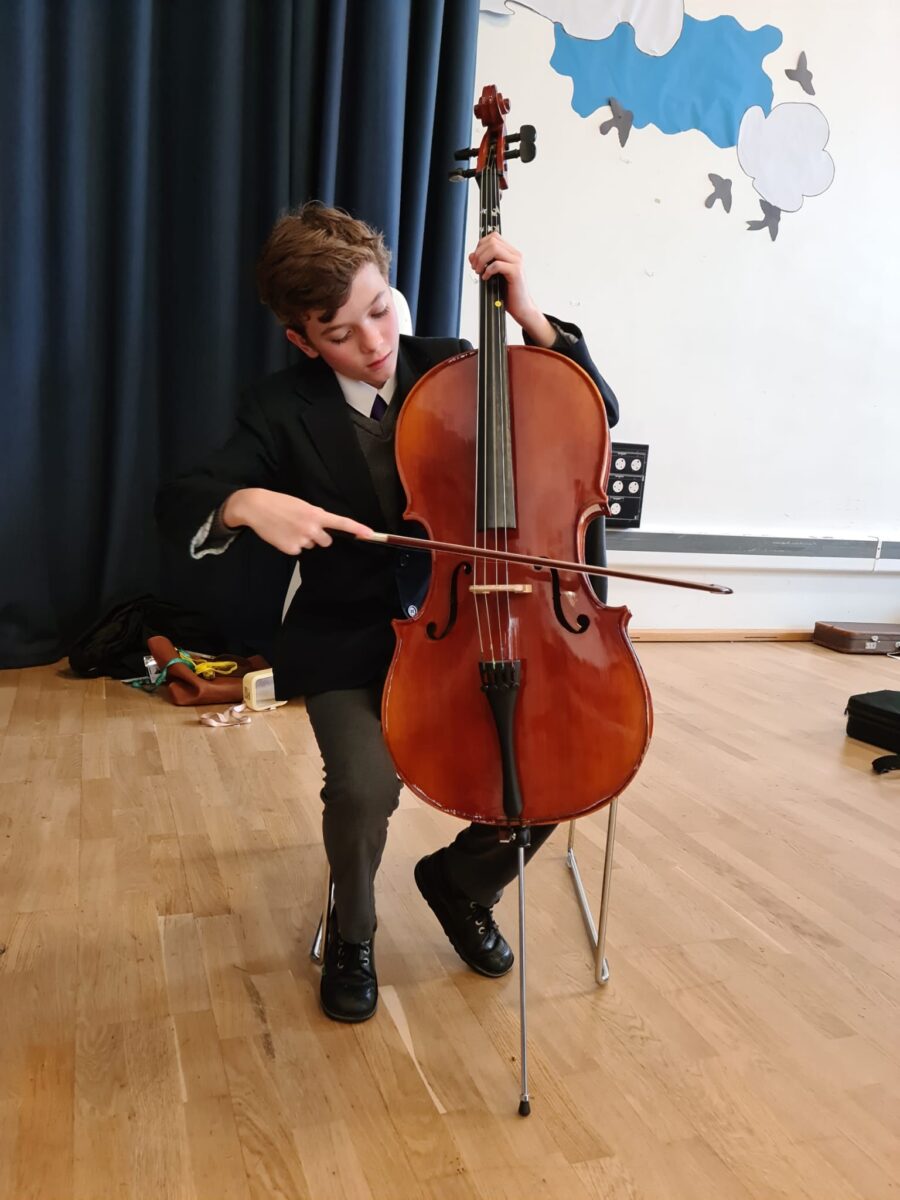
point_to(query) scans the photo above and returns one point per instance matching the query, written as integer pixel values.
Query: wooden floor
(159, 884)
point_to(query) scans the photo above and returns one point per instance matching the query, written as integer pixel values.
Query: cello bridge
(486, 589)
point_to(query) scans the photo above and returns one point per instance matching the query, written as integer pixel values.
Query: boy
(313, 452)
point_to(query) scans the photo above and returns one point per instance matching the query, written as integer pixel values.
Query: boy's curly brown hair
(310, 259)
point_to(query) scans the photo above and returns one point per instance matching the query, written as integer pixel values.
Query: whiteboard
(762, 374)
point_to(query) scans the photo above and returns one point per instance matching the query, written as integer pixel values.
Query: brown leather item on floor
(858, 637)
(184, 686)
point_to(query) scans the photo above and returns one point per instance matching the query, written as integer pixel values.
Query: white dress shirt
(361, 396)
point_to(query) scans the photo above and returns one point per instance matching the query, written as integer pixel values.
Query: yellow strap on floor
(209, 670)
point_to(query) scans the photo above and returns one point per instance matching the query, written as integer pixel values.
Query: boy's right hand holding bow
(288, 524)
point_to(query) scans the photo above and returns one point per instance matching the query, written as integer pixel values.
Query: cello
(503, 656)
(514, 697)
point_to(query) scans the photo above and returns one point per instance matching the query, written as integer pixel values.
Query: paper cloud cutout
(657, 23)
(784, 154)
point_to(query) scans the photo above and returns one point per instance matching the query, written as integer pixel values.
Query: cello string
(496, 350)
(496, 399)
(478, 440)
(506, 448)
(490, 493)
(476, 476)
(481, 570)
(493, 294)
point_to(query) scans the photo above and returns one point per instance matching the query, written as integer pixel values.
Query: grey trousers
(362, 790)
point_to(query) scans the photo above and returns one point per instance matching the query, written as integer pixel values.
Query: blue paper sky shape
(707, 81)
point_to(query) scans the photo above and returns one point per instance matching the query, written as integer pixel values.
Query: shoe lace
(483, 919)
(361, 951)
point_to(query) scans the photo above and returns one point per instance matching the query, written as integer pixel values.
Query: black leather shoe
(349, 988)
(469, 926)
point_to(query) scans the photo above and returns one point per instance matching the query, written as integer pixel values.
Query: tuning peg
(459, 176)
(525, 136)
(527, 144)
(462, 155)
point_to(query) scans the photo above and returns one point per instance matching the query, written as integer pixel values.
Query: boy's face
(361, 339)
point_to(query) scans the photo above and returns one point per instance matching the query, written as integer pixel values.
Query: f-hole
(431, 627)
(582, 621)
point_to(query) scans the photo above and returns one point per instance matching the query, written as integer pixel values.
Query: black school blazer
(295, 435)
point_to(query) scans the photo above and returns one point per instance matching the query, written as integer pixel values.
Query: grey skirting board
(720, 543)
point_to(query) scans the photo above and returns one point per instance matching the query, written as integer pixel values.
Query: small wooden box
(858, 637)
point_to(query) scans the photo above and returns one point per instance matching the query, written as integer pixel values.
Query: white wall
(763, 375)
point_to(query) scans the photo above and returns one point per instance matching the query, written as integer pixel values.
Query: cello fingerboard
(495, 482)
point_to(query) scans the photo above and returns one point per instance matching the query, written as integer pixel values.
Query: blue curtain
(147, 150)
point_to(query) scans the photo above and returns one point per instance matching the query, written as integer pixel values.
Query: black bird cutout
(771, 218)
(802, 75)
(622, 120)
(721, 191)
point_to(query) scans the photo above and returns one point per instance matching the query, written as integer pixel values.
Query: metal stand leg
(598, 939)
(523, 840)
(317, 949)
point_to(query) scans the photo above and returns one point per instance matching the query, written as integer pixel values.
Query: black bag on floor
(116, 644)
(874, 717)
